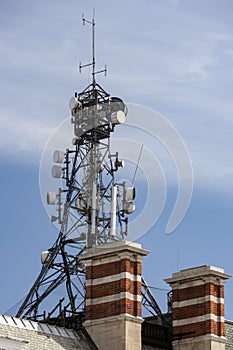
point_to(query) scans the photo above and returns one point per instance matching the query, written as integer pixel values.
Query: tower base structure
(113, 295)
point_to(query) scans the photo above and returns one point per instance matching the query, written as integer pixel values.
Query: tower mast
(92, 207)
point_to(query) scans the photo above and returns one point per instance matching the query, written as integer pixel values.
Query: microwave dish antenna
(90, 207)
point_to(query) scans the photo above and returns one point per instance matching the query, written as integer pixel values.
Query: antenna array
(92, 208)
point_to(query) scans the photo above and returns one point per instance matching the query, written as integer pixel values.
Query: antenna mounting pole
(94, 72)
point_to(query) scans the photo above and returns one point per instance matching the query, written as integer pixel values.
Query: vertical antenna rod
(93, 45)
(92, 22)
(139, 158)
(94, 72)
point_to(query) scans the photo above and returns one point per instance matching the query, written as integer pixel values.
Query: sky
(172, 56)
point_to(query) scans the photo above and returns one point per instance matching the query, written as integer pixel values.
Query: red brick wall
(181, 313)
(199, 328)
(113, 308)
(209, 307)
(198, 292)
(120, 306)
(113, 268)
(115, 287)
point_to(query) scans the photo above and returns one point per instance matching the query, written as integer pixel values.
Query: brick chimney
(113, 295)
(198, 308)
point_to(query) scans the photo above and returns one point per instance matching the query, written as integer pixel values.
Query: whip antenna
(92, 64)
(139, 159)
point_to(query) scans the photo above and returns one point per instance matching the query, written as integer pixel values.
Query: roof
(27, 334)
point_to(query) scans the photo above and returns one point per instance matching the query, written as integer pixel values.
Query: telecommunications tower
(92, 208)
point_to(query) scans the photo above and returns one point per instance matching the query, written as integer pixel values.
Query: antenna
(139, 158)
(92, 208)
(81, 66)
(89, 206)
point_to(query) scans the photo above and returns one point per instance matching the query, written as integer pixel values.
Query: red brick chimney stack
(113, 295)
(198, 308)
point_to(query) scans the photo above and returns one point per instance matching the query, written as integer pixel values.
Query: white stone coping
(197, 273)
(113, 278)
(37, 326)
(113, 297)
(114, 248)
(121, 317)
(110, 257)
(201, 338)
(197, 319)
(196, 301)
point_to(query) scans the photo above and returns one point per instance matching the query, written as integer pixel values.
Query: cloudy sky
(172, 56)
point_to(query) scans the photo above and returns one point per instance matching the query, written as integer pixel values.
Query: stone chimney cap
(114, 247)
(197, 273)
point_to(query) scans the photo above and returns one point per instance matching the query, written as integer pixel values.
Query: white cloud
(22, 138)
(177, 58)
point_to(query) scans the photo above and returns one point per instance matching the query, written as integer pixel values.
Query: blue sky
(173, 56)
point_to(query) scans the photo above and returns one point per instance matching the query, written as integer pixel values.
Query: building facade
(113, 310)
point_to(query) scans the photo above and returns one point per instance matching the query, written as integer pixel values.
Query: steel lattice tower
(92, 207)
